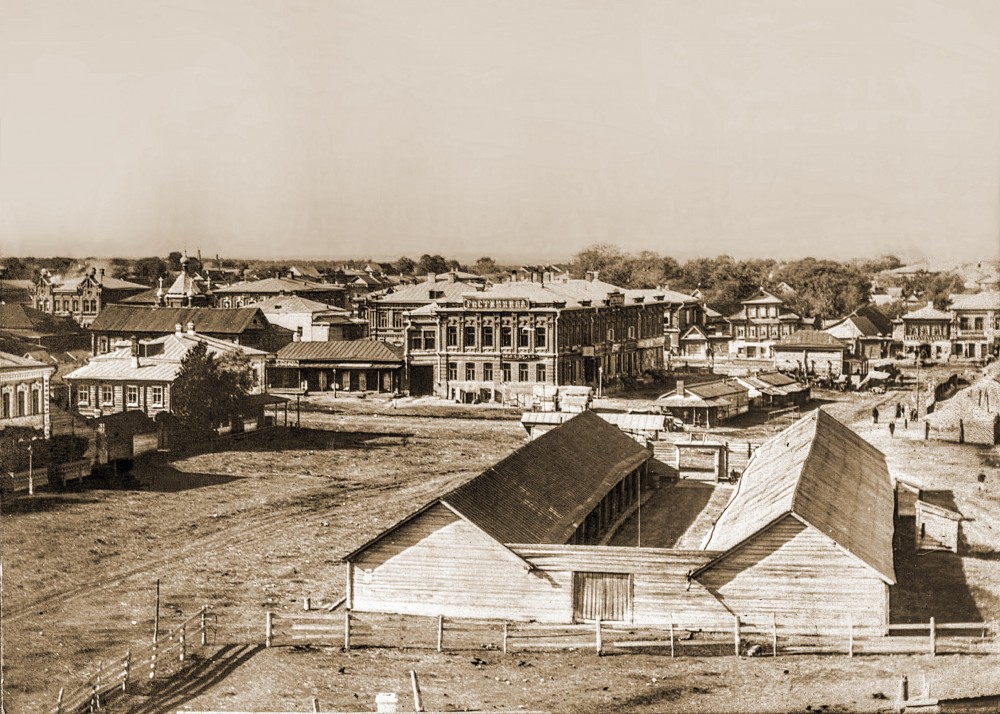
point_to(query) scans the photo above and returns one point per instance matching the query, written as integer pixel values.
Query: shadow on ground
(928, 583)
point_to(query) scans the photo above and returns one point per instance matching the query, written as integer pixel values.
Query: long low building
(806, 539)
(344, 365)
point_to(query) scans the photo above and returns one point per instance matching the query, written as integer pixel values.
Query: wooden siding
(800, 575)
(936, 527)
(659, 578)
(439, 564)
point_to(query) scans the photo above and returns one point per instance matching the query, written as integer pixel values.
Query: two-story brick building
(516, 335)
(82, 297)
(385, 313)
(975, 328)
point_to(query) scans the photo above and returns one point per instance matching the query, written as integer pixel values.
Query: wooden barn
(807, 535)
(807, 539)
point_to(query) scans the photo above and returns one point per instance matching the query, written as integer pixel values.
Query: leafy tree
(485, 266)
(934, 287)
(405, 266)
(432, 264)
(174, 260)
(148, 270)
(825, 288)
(206, 392)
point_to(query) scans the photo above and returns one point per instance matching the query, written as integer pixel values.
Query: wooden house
(347, 365)
(808, 533)
(706, 403)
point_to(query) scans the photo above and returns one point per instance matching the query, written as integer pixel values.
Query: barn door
(607, 596)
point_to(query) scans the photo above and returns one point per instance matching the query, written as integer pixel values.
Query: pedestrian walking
(906, 422)
(874, 415)
(927, 429)
(892, 428)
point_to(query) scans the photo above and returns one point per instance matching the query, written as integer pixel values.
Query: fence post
(774, 636)
(736, 633)
(598, 643)
(347, 630)
(59, 701)
(128, 667)
(903, 694)
(671, 634)
(183, 643)
(440, 633)
(152, 660)
(850, 635)
(417, 704)
(505, 638)
(204, 630)
(268, 631)
(306, 604)
(315, 704)
(933, 637)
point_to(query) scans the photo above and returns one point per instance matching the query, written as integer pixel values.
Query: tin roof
(825, 475)
(213, 320)
(988, 300)
(805, 339)
(10, 361)
(342, 351)
(282, 304)
(928, 312)
(25, 321)
(277, 285)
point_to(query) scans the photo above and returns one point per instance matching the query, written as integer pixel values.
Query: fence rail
(349, 629)
(113, 678)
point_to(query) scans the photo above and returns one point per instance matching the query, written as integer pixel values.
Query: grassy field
(263, 526)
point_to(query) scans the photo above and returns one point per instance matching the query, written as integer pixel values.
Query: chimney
(595, 276)
(297, 337)
(534, 276)
(431, 277)
(452, 276)
(513, 276)
(680, 387)
(134, 349)
(930, 304)
(178, 329)
(190, 328)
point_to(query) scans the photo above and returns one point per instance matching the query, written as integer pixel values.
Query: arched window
(22, 403)
(36, 401)
(6, 405)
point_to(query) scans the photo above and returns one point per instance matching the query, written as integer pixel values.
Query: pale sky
(511, 128)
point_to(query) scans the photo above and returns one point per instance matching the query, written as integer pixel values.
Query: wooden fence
(112, 679)
(349, 629)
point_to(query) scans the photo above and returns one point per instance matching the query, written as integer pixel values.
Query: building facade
(24, 393)
(927, 333)
(140, 377)
(513, 336)
(762, 321)
(975, 327)
(248, 293)
(81, 298)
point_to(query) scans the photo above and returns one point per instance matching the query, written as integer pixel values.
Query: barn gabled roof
(824, 474)
(542, 492)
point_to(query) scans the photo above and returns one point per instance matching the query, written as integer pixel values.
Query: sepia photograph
(527, 356)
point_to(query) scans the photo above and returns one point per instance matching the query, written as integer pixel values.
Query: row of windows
(67, 305)
(12, 406)
(506, 372)
(763, 331)
(105, 395)
(976, 323)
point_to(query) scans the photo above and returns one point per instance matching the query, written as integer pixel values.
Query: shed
(807, 535)
(938, 521)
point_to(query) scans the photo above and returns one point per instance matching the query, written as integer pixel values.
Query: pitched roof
(342, 351)
(420, 293)
(66, 283)
(928, 312)
(9, 361)
(213, 320)
(277, 285)
(281, 304)
(160, 363)
(23, 320)
(828, 477)
(988, 300)
(762, 297)
(543, 491)
(804, 339)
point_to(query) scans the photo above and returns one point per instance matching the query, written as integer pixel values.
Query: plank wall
(801, 576)
(439, 564)
(660, 586)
